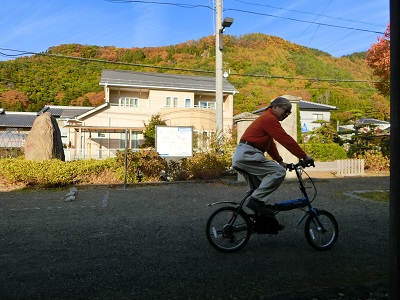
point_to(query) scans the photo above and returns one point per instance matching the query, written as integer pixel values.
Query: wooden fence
(350, 167)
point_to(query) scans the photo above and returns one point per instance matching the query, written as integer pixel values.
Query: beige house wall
(154, 101)
(98, 144)
(290, 126)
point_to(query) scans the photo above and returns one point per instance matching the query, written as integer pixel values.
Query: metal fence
(12, 143)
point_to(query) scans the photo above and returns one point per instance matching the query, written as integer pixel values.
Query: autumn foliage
(261, 67)
(378, 58)
(15, 100)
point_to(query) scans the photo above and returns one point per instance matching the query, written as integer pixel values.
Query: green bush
(326, 152)
(11, 152)
(178, 170)
(208, 165)
(144, 165)
(376, 162)
(52, 173)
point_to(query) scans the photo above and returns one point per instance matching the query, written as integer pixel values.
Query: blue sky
(338, 27)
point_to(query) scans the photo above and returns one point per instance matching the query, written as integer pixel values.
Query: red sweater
(267, 128)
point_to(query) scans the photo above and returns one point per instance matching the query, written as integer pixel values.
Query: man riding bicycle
(263, 175)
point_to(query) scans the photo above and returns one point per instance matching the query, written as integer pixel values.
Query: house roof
(65, 112)
(245, 116)
(11, 119)
(307, 105)
(162, 81)
(17, 119)
(303, 105)
(93, 110)
(371, 121)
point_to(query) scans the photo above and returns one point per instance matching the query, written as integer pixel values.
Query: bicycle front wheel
(322, 231)
(227, 230)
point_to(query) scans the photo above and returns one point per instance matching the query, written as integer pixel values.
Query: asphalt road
(148, 242)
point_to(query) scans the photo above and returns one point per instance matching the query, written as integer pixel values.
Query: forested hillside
(261, 67)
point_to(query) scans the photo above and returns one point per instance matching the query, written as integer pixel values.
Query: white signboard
(174, 141)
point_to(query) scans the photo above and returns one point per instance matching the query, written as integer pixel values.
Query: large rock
(44, 140)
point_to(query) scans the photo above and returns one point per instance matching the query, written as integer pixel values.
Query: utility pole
(219, 101)
(394, 207)
(219, 34)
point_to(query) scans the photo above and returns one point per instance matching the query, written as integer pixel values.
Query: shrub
(11, 152)
(144, 165)
(326, 152)
(376, 162)
(51, 173)
(208, 165)
(177, 170)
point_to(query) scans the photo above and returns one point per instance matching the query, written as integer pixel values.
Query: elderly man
(266, 175)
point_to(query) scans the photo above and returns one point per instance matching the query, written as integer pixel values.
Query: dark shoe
(265, 211)
(269, 225)
(260, 208)
(255, 205)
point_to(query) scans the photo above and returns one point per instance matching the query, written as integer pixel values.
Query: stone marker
(44, 140)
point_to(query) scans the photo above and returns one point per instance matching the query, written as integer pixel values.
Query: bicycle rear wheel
(321, 237)
(227, 230)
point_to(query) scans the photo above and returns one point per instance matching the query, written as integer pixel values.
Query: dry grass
(8, 186)
(106, 177)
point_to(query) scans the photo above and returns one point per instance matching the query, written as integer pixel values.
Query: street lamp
(227, 22)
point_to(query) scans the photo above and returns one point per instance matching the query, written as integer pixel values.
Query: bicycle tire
(317, 238)
(227, 237)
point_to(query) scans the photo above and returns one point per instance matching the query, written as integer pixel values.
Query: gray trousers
(265, 175)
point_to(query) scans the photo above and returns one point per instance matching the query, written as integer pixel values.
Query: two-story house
(314, 115)
(132, 98)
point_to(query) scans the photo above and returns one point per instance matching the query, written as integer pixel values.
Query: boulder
(44, 140)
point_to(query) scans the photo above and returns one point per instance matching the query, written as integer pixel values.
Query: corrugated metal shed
(162, 81)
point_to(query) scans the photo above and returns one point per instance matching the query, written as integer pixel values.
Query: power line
(338, 40)
(303, 21)
(183, 5)
(316, 18)
(186, 5)
(308, 13)
(315, 79)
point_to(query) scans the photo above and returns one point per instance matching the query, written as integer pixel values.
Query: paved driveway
(149, 242)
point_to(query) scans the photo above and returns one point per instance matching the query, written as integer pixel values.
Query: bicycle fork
(315, 220)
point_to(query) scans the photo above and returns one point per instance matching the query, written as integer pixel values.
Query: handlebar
(303, 163)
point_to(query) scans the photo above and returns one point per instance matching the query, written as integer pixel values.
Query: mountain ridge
(261, 67)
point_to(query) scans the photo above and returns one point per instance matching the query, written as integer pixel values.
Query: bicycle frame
(229, 228)
(282, 205)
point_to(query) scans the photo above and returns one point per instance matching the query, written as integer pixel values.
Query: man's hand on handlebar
(307, 161)
(283, 164)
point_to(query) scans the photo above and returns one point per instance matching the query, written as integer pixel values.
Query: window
(135, 140)
(188, 102)
(168, 102)
(318, 116)
(134, 137)
(129, 102)
(207, 104)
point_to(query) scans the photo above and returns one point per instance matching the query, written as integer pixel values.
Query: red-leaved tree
(378, 58)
